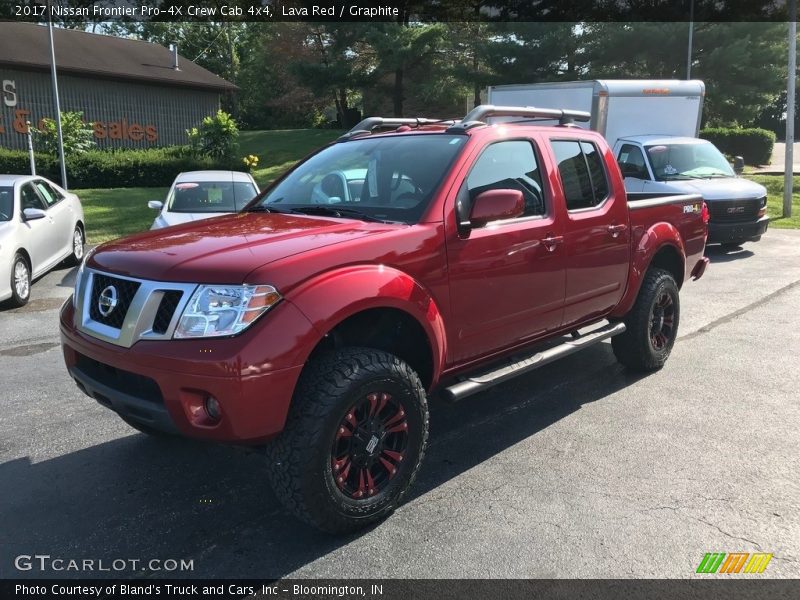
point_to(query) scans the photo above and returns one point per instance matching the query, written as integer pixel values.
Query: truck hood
(720, 188)
(224, 249)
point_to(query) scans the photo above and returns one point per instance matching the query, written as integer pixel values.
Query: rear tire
(651, 325)
(353, 441)
(20, 281)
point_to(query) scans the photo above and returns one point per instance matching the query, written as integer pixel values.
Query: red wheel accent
(662, 321)
(369, 445)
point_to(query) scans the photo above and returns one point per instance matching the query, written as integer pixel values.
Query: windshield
(210, 196)
(687, 161)
(386, 178)
(6, 203)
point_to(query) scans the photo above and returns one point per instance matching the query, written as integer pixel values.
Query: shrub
(153, 167)
(754, 145)
(77, 135)
(217, 136)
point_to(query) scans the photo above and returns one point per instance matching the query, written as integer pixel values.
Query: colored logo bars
(735, 562)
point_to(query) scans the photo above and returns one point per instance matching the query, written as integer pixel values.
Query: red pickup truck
(429, 260)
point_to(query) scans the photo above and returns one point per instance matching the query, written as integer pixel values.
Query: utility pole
(30, 148)
(55, 97)
(691, 35)
(788, 175)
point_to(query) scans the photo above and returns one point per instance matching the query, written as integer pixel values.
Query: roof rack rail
(366, 126)
(478, 115)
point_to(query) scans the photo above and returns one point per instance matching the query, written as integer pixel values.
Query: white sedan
(203, 194)
(41, 225)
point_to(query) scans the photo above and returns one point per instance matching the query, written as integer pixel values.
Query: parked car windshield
(6, 203)
(391, 178)
(687, 161)
(210, 196)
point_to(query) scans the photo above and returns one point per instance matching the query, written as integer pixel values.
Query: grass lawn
(774, 185)
(115, 212)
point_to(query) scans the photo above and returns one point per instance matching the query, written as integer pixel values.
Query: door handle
(551, 241)
(615, 230)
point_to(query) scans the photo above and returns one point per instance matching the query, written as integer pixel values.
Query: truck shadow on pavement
(718, 254)
(145, 498)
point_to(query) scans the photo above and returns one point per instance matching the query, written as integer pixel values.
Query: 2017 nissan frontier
(427, 261)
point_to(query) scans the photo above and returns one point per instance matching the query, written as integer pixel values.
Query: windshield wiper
(337, 212)
(267, 209)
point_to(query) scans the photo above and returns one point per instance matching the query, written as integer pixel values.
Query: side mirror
(32, 214)
(738, 165)
(494, 205)
(155, 204)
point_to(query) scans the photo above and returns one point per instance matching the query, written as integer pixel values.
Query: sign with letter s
(9, 93)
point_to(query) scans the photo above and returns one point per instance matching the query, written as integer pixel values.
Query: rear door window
(48, 193)
(582, 173)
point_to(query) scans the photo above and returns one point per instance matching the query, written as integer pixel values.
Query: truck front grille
(166, 310)
(143, 309)
(731, 211)
(121, 291)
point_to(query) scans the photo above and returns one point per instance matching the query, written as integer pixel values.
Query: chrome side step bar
(481, 382)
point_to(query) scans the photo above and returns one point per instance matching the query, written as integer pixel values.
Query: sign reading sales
(120, 129)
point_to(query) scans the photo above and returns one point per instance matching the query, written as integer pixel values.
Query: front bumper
(720, 233)
(164, 384)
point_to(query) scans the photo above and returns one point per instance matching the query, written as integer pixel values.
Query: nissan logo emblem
(107, 301)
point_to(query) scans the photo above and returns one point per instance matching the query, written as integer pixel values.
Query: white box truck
(652, 126)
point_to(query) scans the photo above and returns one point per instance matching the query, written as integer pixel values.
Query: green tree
(742, 64)
(216, 137)
(334, 67)
(77, 135)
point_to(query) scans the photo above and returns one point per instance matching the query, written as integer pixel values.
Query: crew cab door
(596, 229)
(506, 277)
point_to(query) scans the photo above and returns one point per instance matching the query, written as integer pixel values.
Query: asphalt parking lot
(577, 470)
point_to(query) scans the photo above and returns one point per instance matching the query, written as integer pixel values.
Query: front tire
(353, 441)
(20, 281)
(78, 242)
(651, 325)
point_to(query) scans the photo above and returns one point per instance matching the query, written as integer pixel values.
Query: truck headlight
(221, 310)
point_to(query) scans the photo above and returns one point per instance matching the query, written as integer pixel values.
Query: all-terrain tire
(332, 409)
(651, 325)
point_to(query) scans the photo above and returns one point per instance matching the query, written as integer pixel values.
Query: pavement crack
(725, 533)
(738, 313)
